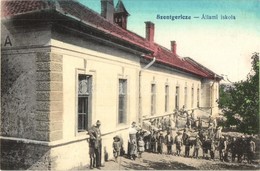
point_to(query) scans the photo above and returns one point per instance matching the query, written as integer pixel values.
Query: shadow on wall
(22, 156)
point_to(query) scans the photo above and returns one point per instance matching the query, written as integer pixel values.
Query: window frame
(192, 97)
(153, 99)
(186, 97)
(198, 97)
(125, 101)
(88, 103)
(166, 98)
(177, 97)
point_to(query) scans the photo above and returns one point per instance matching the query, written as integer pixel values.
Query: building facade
(64, 66)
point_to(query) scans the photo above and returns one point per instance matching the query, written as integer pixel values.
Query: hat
(98, 122)
(133, 123)
(220, 127)
(116, 137)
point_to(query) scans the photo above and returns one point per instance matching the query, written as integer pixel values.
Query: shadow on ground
(233, 167)
(160, 165)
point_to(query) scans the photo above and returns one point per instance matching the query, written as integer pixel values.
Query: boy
(212, 149)
(188, 145)
(178, 142)
(154, 142)
(197, 146)
(160, 143)
(140, 146)
(169, 142)
(116, 147)
(251, 150)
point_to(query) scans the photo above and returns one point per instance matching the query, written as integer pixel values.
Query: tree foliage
(240, 101)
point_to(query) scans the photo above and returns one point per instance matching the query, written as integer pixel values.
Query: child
(222, 147)
(160, 140)
(178, 142)
(154, 142)
(133, 152)
(251, 150)
(212, 149)
(206, 147)
(188, 145)
(169, 142)
(140, 146)
(197, 146)
(116, 147)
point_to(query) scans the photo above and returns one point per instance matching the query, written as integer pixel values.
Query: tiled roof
(165, 56)
(73, 8)
(15, 7)
(210, 74)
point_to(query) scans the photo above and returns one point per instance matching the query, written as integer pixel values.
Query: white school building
(64, 66)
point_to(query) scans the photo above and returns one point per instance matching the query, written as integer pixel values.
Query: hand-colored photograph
(130, 85)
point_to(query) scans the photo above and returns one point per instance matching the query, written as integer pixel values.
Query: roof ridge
(82, 13)
(98, 15)
(201, 67)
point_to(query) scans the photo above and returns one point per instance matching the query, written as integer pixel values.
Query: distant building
(64, 66)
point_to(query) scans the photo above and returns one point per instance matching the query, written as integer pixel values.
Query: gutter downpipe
(212, 94)
(140, 116)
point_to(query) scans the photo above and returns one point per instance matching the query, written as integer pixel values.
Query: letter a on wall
(8, 41)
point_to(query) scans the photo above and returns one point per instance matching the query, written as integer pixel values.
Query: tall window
(153, 99)
(166, 98)
(84, 101)
(177, 97)
(198, 97)
(122, 103)
(185, 96)
(192, 97)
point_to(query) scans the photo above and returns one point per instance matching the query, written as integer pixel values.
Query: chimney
(107, 10)
(149, 31)
(173, 47)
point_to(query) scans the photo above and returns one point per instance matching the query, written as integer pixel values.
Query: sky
(223, 45)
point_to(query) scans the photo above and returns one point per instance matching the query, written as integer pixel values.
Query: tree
(240, 101)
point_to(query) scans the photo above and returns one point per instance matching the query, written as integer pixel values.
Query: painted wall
(18, 79)
(160, 78)
(39, 93)
(106, 66)
(18, 89)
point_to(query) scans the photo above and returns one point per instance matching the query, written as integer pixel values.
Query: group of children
(136, 144)
(240, 148)
(210, 140)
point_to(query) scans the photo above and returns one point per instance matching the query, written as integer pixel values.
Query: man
(218, 134)
(92, 156)
(95, 138)
(188, 122)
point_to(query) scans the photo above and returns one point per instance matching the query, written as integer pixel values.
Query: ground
(151, 161)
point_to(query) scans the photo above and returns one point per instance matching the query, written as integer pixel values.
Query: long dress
(132, 141)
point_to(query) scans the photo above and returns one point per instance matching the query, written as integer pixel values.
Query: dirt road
(152, 161)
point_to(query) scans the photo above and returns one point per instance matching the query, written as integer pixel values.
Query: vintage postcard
(130, 84)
